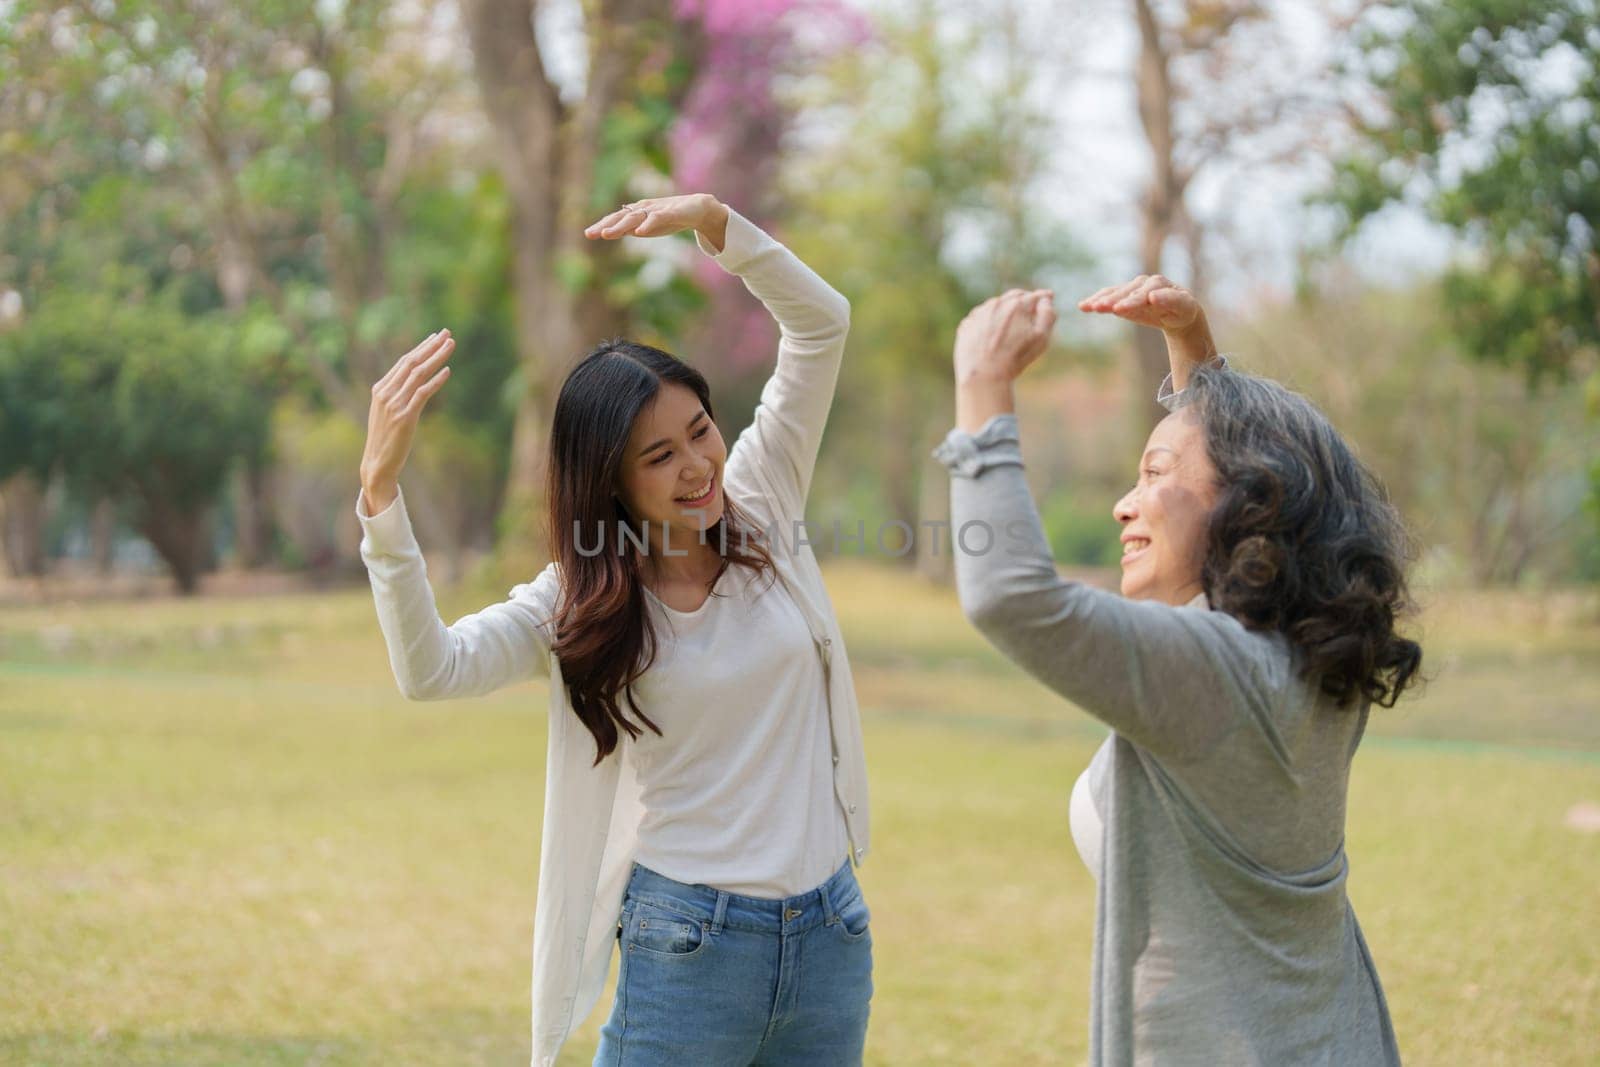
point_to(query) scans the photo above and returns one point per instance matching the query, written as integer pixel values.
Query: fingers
(1111, 296)
(1044, 314)
(1093, 301)
(405, 363)
(1106, 298)
(424, 368)
(426, 390)
(1139, 295)
(652, 224)
(620, 222)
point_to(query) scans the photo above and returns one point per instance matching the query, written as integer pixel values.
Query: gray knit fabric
(1223, 935)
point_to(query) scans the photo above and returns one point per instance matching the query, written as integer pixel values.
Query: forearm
(1188, 348)
(479, 653)
(804, 306)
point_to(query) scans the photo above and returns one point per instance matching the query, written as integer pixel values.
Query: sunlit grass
(224, 839)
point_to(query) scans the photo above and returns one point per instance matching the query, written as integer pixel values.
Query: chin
(710, 517)
(1134, 587)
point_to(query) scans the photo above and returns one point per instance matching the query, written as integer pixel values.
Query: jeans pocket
(853, 918)
(660, 932)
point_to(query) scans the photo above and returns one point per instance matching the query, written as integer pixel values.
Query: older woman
(1262, 576)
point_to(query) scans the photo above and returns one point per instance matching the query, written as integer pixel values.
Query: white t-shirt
(1083, 814)
(738, 788)
(1087, 829)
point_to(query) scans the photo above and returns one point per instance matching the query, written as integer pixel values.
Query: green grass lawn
(225, 839)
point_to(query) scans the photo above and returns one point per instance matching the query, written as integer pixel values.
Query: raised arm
(479, 653)
(504, 643)
(1151, 671)
(775, 456)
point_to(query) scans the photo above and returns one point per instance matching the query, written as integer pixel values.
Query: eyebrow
(1158, 448)
(647, 449)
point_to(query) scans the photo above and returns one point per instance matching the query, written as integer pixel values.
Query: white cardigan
(591, 814)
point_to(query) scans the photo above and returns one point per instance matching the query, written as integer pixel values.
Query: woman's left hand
(664, 215)
(1149, 300)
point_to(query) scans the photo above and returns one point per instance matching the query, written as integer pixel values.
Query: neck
(1182, 596)
(678, 554)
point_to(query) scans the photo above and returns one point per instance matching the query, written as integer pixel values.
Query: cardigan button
(852, 809)
(827, 641)
(836, 761)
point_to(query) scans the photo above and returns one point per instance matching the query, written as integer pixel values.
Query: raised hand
(1003, 335)
(665, 215)
(397, 402)
(1153, 300)
(995, 343)
(1148, 300)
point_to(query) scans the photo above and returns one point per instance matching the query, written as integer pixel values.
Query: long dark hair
(603, 636)
(1303, 539)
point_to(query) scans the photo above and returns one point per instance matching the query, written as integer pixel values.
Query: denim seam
(669, 905)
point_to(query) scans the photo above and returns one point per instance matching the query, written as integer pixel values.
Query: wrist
(713, 224)
(374, 482)
(980, 398)
(1193, 341)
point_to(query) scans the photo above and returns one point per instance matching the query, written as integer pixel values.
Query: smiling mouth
(702, 495)
(1133, 547)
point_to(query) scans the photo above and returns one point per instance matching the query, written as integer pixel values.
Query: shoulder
(542, 594)
(1261, 656)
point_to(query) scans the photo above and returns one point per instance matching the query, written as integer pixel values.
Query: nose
(1123, 510)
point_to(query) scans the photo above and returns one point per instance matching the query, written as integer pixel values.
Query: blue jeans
(718, 980)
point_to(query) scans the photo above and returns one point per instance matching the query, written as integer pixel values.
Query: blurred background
(223, 837)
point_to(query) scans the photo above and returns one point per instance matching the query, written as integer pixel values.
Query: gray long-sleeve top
(1223, 934)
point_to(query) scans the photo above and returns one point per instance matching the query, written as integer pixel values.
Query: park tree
(923, 200)
(135, 402)
(291, 163)
(1222, 85)
(1485, 115)
(564, 161)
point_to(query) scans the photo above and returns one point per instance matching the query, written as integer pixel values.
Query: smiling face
(671, 473)
(1164, 516)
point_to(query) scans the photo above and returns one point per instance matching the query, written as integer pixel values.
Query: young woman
(705, 786)
(1262, 577)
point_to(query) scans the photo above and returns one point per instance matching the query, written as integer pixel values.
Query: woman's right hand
(397, 402)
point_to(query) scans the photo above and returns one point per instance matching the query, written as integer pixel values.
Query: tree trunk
(901, 475)
(178, 538)
(547, 154)
(102, 534)
(1162, 203)
(936, 541)
(255, 514)
(23, 528)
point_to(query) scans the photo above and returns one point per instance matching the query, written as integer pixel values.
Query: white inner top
(1088, 830)
(738, 788)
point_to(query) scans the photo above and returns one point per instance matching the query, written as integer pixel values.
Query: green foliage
(1080, 535)
(137, 402)
(1489, 475)
(1490, 121)
(919, 207)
